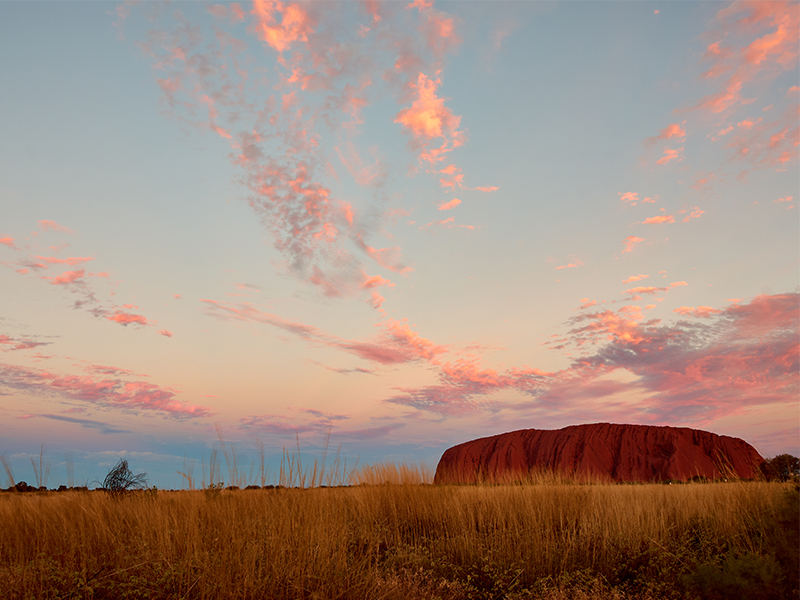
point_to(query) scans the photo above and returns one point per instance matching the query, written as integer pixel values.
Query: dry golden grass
(403, 541)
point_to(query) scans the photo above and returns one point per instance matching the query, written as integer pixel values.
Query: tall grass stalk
(8, 469)
(42, 472)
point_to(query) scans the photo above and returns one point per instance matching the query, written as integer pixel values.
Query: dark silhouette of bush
(782, 467)
(121, 479)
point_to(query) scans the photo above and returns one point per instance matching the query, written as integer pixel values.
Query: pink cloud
(747, 124)
(53, 226)
(372, 10)
(448, 205)
(421, 4)
(19, 344)
(429, 119)
(645, 290)
(374, 281)
(714, 52)
(396, 343)
(212, 117)
(165, 333)
(702, 312)
(786, 199)
(673, 130)
(67, 277)
(658, 220)
(388, 258)
(371, 175)
(774, 51)
(108, 392)
(452, 182)
(447, 223)
(633, 278)
(703, 182)
(295, 24)
(124, 318)
(633, 198)
(670, 154)
(439, 30)
(106, 370)
(71, 261)
(571, 265)
(376, 300)
(8, 241)
(330, 288)
(749, 356)
(695, 214)
(491, 188)
(630, 242)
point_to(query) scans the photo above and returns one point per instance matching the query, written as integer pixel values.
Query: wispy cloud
(448, 205)
(671, 154)
(47, 225)
(631, 242)
(108, 392)
(633, 278)
(19, 343)
(397, 343)
(105, 428)
(658, 219)
(673, 131)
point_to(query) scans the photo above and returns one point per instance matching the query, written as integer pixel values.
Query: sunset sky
(403, 225)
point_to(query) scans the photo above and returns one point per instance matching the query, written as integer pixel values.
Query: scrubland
(551, 540)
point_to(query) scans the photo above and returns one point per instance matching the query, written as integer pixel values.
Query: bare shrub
(121, 479)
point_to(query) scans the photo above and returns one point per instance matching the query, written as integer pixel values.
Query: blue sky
(408, 225)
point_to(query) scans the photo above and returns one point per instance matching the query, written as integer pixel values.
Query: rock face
(601, 451)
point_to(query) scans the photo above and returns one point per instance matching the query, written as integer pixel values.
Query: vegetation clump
(783, 467)
(121, 479)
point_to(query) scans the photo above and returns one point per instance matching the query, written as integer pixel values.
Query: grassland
(410, 541)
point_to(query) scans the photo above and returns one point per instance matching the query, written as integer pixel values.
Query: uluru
(602, 452)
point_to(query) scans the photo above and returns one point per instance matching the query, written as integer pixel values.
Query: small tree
(120, 479)
(783, 467)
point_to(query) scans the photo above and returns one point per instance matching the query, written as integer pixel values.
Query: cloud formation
(19, 344)
(745, 356)
(325, 77)
(429, 122)
(630, 243)
(396, 343)
(107, 392)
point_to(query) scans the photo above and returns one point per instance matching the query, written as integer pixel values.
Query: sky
(391, 227)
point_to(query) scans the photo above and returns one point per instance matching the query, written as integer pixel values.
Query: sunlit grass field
(545, 539)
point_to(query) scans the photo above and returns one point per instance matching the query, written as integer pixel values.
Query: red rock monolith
(601, 452)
